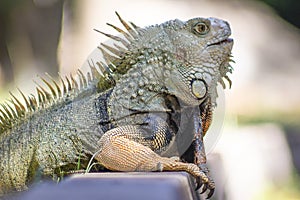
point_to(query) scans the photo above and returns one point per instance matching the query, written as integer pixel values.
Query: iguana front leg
(196, 152)
(200, 155)
(200, 161)
(119, 152)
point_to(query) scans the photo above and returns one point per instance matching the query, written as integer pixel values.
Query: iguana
(150, 100)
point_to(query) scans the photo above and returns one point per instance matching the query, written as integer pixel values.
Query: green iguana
(152, 99)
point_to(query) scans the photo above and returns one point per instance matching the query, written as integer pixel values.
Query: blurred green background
(256, 156)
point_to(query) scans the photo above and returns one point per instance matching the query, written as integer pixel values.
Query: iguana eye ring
(200, 28)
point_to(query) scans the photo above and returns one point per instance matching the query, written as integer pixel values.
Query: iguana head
(189, 58)
(202, 49)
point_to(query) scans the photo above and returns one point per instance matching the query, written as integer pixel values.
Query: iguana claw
(204, 189)
(211, 192)
(209, 186)
(206, 185)
(198, 183)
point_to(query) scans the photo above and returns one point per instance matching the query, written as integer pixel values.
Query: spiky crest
(13, 109)
(100, 75)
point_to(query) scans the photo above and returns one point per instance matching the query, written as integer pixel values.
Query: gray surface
(113, 186)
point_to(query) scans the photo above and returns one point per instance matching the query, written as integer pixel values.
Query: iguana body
(154, 100)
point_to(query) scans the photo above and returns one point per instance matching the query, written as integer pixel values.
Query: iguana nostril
(198, 88)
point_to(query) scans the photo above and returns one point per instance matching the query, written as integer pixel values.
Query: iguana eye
(200, 28)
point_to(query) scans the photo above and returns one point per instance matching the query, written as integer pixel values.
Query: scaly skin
(154, 101)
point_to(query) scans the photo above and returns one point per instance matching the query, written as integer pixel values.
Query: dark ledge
(115, 186)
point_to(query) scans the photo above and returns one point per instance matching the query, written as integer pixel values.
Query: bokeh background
(257, 155)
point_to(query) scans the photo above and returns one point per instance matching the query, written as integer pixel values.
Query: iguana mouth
(225, 41)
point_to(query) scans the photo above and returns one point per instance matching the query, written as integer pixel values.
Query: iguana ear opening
(199, 88)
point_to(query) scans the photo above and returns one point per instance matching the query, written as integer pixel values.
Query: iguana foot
(119, 153)
(202, 178)
(210, 185)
